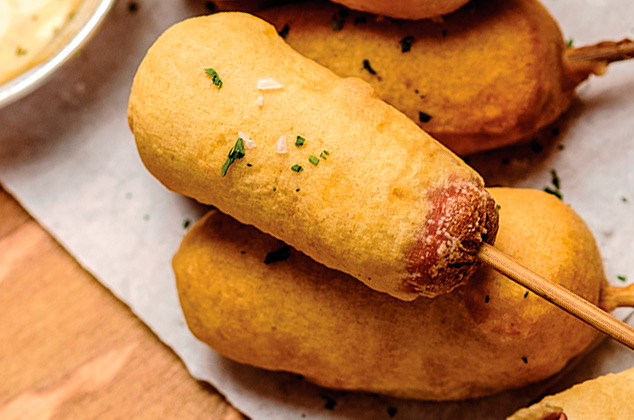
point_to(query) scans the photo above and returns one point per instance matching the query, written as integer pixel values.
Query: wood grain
(70, 350)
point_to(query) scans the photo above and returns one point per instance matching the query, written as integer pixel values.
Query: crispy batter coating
(405, 9)
(296, 315)
(488, 76)
(368, 192)
(606, 397)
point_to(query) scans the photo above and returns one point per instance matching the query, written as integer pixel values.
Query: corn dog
(295, 315)
(606, 397)
(488, 76)
(224, 111)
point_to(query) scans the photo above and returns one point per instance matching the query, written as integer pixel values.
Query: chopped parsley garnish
(526, 294)
(339, 19)
(556, 183)
(20, 51)
(215, 77)
(324, 154)
(300, 141)
(297, 168)
(624, 199)
(249, 165)
(424, 117)
(284, 32)
(368, 67)
(555, 179)
(406, 43)
(297, 189)
(556, 193)
(313, 159)
(186, 223)
(622, 278)
(236, 152)
(524, 359)
(498, 207)
(486, 299)
(570, 42)
(274, 188)
(278, 255)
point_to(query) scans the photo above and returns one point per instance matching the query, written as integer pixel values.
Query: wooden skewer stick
(558, 295)
(606, 52)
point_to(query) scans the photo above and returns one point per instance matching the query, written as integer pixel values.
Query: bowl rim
(33, 78)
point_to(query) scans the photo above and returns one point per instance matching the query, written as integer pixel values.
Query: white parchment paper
(67, 155)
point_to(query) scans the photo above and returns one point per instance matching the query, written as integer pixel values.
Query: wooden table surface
(70, 350)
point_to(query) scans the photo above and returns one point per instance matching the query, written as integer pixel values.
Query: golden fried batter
(295, 315)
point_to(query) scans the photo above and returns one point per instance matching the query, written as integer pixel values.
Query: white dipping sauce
(26, 28)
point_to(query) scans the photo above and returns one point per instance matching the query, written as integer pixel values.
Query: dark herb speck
(278, 255)
(368, 67)
(524, 359)
(339, 19)
(486, 299)
(133, 7)
(284, 32)
(313, 159)
(622, 278)
(555, 179)
(297, 168)
(330, 403)
(424, 117)
(186, 223)
(536, 146)
(556, 193)
(300, 141)
(526, 294)
(406, 43)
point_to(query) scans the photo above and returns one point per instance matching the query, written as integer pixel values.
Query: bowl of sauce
(38, 36)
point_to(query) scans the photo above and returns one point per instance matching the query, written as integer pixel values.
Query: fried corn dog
(279, 142)
(606, 397)
(488, 76)
(256, 301)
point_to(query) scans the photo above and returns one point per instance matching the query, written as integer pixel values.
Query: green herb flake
(297, 168)
(249, 165)
(486, 299)
(526, 294)
(406, 43)
(274, 188)
(622, 278)
(424, 117)
(324, 154)
(525, 360)
(569, 43)
(556, 193)
(284, 31)
(624, 199)
(19, 51)
(555, 179)
(297, 189)
(339, 19)
(313, 159)
(186, 223)
(498, 207)
(300, 141)
(215, 77)
(236, 152)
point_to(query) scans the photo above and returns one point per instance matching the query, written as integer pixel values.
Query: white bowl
(71, 37)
